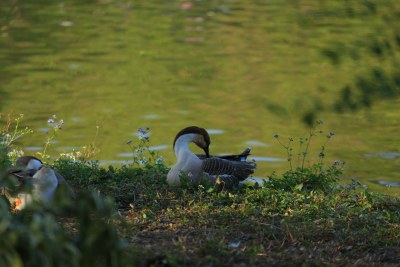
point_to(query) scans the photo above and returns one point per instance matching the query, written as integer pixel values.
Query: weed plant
(302, 174)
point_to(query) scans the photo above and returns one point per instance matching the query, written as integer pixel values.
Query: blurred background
(245, 70)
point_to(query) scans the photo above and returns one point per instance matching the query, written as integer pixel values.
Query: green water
(243, 69)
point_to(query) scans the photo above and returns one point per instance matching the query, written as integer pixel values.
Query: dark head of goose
(202, 139)
(29, 162)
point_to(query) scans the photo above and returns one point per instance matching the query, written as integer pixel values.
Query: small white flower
(15, 153)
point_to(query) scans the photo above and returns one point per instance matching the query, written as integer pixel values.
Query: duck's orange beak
(18, 202)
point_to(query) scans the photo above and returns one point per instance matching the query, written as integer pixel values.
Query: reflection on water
(384, 155)
(389, 155)
(389, 183)
(151, 116)
(151, 148)
(125, 155)
(245, 70)
(215, 131)
(158, 148)
(33, 148)
(44, 130)
(68, 148)
(76, 119)
(256, 143)
(266, 159)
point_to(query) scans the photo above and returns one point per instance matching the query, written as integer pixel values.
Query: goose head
(29, 163)
(25, 167)
(194, 134)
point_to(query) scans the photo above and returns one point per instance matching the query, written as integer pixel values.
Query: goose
(226, 171)
(44, 181)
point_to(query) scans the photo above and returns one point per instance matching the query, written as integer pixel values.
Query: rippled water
(245, 70)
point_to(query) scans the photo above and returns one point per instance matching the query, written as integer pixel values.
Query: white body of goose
(44, 181)
(229, 170)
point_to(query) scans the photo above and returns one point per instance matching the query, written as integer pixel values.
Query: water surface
(245, 70)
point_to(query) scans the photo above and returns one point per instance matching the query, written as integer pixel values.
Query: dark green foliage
(397, 39)
(370, 5)
(127, 185)
(4, 159)
(376, 49)
(309, 118)
(64, 233)
(346, 100)
(67, 233)
(378, 84)
(307, 179)
(333, 55)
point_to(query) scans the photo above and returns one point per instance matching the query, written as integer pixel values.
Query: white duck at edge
(43, 179)
(229, 170)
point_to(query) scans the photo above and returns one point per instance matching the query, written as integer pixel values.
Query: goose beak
(207, 152)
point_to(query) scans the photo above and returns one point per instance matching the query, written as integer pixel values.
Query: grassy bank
(280, 223)
(130, 216)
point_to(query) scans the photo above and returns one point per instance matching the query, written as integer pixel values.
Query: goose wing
(230, 172)
(235, 157)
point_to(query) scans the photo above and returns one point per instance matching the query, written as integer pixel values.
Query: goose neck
(181, 148)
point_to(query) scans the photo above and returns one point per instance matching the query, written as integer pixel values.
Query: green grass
(281, 224)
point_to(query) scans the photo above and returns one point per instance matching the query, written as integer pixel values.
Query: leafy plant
(9, 134)
(65, 233)
(311, 177)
